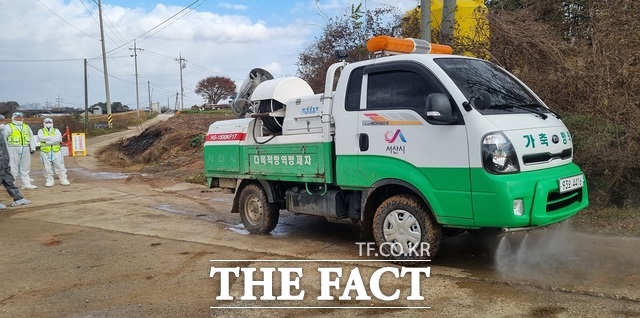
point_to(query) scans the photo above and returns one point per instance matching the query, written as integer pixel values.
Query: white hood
(544, 143)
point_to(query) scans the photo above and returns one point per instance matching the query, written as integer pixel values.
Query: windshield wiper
(541, 107)
(525, 108)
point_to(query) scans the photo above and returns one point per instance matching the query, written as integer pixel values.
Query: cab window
(402, 85)
(398, 89)
(354, 87)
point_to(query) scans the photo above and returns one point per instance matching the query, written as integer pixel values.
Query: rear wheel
(405, 231)
(257, 214)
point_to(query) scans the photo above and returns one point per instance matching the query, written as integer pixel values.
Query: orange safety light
(407, 45)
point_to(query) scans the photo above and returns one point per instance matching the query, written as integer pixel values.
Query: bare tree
(349, 32)
(581, 57)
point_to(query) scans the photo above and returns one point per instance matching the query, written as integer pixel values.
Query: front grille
(544, 157)
(557, 201)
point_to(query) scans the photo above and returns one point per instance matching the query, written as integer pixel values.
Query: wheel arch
(272, 190)
(373, 197)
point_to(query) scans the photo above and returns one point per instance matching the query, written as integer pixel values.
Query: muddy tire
(402, 228)
(257, 214)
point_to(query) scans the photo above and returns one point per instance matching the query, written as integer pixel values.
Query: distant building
(96, 110)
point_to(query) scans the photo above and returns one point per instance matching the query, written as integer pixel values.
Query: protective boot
(26, 184)
(63, 180)
(48, 182)
(22, 201)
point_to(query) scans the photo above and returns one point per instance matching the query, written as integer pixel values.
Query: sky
(44, 44)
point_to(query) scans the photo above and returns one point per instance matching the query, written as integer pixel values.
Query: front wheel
(405, 231)
(257, 214)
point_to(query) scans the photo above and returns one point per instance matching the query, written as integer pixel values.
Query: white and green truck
(414, 144)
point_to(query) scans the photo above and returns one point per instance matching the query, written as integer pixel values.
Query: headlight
(498, 155)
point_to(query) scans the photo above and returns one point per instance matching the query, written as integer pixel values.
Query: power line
(116, 33)
(160, 55)
(110, 75)
(90, 8)
(120, 66)
(90, 12)
(171, 17)
(202, 68)
(41, 60)
(65, 21)
(123, 46)
(114, 29)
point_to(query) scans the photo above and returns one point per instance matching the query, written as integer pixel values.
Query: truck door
(397, 142)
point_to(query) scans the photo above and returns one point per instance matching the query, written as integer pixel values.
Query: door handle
(363, 141)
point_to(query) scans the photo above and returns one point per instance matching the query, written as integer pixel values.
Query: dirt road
(130, 245)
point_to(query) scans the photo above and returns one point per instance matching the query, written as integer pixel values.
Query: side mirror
(439, 109)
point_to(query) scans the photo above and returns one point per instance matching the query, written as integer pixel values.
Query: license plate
(571, 183)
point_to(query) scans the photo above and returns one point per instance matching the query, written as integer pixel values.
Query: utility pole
(183, 65)
(135, 58)
(106, 73)
(149, 93)
(425, 20)
(86, 98)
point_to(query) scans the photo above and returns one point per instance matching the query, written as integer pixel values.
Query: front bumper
(493, 196)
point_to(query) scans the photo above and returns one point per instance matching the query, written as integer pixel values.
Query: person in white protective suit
(20, 144)
(50, 153)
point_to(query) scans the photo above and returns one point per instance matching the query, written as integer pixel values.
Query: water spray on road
(534, 253)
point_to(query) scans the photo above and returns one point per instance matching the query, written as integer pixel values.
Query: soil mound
(171, 148)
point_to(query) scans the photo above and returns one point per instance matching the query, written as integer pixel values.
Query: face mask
(17, 122)
(1, 126)
(48, 125)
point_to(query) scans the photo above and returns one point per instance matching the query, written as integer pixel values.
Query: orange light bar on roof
(407, 45)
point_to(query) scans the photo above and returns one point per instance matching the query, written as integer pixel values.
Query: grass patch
(609, 221)
(197, 178)
(220, 112)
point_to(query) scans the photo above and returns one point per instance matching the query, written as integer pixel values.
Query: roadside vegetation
(581, 58)
(97, 124)
(169, 149)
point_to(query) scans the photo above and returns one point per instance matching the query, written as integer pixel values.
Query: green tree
(214, 88)
(118, 107)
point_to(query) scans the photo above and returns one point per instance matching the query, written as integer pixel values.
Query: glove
(33, 151)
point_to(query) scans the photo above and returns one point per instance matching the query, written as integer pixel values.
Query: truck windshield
(477, 78)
